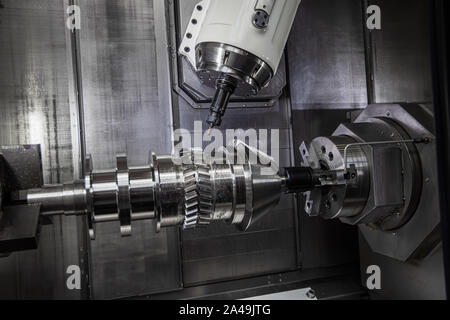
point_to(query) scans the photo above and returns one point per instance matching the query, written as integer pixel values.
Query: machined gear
(198, 194)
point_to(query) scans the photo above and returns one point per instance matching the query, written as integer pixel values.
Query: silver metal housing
(215, 59)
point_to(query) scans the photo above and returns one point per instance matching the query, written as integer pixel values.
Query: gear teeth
(198, 195)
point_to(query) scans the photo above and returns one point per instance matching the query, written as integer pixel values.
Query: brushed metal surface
(323, 243)
(421, 280)
(401, 52)
(326, 56)
(402, 73)
(35, 110)
(127, 111)
(327, 74)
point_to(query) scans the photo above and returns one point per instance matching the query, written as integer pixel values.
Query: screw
(311, 294)
(427, 140)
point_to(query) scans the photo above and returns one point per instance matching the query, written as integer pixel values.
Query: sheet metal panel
(418, 280)
(324, 243)
(402, 73)
(401, 52)
(326, 56)
(126, 110)
(34, 107)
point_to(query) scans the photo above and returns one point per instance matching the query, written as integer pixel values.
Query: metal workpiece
(172, 190)
(72, 196)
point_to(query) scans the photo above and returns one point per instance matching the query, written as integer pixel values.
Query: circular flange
(216, 59)
(261, 19)
(156, 190)
(90, 214)
(342, 200)
(123, 195)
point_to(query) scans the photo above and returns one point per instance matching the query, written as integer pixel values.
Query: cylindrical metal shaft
(191, 194)
(68, 199)
(225, 87)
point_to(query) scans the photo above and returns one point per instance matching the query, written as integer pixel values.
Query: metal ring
(90, 213)
(123, 195)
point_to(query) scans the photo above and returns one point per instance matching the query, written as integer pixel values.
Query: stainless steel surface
(34, 102)
(401, 53)
(66, 199)
(127, 107)
(326, 56)
(401, 59)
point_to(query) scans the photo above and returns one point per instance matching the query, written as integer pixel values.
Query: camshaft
(191, 194)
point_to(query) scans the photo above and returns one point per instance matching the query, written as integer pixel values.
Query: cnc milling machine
(358, 175)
